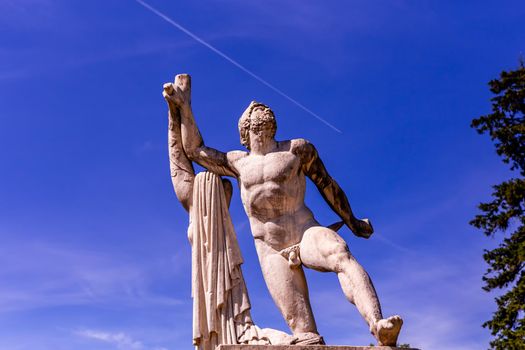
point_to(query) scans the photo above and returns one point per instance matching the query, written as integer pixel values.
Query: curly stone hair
(246, 122)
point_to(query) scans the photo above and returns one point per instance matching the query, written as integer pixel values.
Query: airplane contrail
(235, 63)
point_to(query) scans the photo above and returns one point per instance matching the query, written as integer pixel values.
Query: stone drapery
(221, 307)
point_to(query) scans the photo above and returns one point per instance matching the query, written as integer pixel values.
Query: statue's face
(262, 123)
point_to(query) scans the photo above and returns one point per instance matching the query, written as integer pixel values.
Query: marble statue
(272, 178)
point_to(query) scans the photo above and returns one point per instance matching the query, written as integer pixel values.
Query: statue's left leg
(324, 250)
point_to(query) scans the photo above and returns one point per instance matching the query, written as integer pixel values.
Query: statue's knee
(340, 258)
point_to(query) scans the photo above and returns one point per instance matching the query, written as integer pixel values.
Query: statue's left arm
(314, 168)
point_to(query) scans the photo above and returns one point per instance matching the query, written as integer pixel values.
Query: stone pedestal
(307, 347)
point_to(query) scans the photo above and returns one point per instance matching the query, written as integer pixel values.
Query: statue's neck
(262, 146)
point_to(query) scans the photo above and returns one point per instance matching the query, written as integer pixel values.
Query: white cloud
(120, 340)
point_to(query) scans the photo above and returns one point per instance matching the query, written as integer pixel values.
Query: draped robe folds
(221, 307)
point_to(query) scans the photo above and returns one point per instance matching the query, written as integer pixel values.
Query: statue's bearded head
(258, 119)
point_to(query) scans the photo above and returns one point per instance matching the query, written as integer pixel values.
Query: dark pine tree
(505, 213)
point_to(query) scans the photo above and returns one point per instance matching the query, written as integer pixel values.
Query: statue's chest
(272, 167)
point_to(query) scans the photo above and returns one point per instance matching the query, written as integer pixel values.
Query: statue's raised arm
(178, 96)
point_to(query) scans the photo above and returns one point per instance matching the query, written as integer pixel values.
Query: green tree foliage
(505, 213)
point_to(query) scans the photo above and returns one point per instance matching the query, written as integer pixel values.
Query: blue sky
(93, 251)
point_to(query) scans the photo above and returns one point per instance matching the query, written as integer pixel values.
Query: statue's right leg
(288, 289)
(324, 250)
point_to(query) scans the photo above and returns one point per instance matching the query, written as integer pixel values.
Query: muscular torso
(272, 190)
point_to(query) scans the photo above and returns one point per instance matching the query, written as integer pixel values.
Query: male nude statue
(271, 177)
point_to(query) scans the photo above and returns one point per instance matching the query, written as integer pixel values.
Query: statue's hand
(362, 228)
(174, 96)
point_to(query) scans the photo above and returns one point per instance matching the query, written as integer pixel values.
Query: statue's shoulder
(301, 146)
(234, 156)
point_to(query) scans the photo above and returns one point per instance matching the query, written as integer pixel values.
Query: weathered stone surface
(271, 176)
(307, 347)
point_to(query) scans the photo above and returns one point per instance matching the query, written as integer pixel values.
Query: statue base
(308, 347)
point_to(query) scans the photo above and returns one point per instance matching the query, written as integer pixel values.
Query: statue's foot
(387, 330)
(275, 337)
(309, 338)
